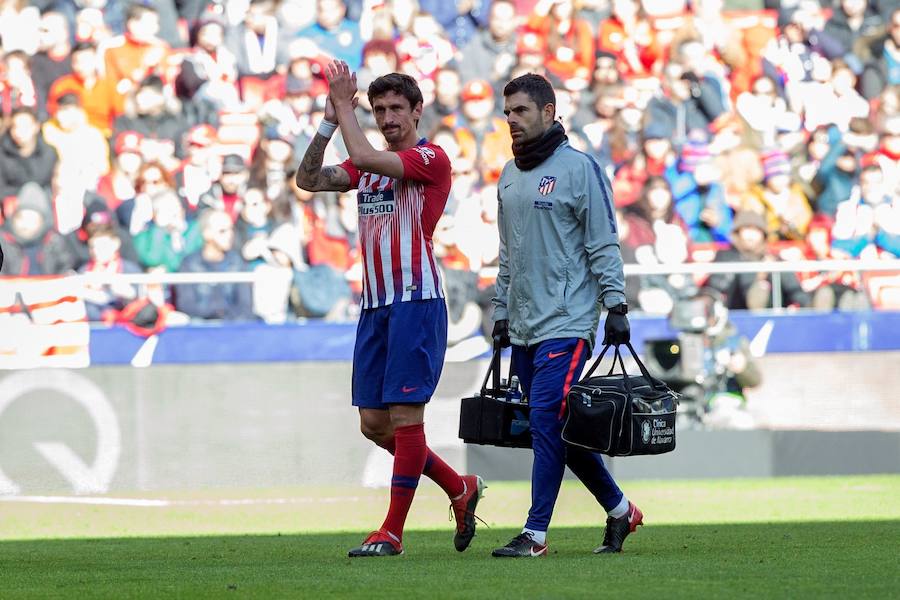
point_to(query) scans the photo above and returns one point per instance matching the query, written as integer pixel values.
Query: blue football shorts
(399, 353)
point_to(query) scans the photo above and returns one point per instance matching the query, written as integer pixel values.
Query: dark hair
(24, 110)
(82, 46)
(642, 206)
(137, 10)
(401, 84)
(871, 168)
(70, 99)
(535, 86)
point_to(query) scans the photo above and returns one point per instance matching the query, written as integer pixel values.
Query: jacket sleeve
(502, 284)
(594, 210)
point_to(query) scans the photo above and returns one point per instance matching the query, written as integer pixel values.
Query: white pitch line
(161, 503)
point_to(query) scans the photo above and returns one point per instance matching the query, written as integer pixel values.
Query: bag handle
(493, 373)
(597, 361)
(617, 357)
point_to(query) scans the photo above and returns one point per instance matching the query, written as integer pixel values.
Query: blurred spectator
(887, 155)
(280, 260)
(887, 228)
(120, 183)
(16, 86)
(253, 227)
(228, 192)
(272, 162)
(201, 168)
(210, 69)
(53, 59)
(82, 149)
(162, 126)
(97, 94)
(130, 58)
(530, 48)
(659, 237)
(232, 301)
(294, 116)
(780, 201)
(447, 88)
(170, 236)
(424, 49)
(98, 215)
(699, 197)
(851, 23)
(569, 50)
(686, 102)
(836, 173)
(831, 99)
(753, 290)
(18, 24)
(884, 68)
(334, 33)
(30, 244)
(765, 111)
(629, 36)
(494, 46)
(829, 289)
(605, 71)
(152, 179)
(104, 245)
(24, 154)
(482, 137)
(855, 226)
(461, 19)
(257, 41)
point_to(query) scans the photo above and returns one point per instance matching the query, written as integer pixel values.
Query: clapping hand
(341, 84)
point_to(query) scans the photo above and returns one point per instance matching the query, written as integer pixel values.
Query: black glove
(501, 334)
(617, 330)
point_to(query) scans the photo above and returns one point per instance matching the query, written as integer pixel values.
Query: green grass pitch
(772, 538)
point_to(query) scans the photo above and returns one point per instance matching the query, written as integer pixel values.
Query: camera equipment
(686, 361)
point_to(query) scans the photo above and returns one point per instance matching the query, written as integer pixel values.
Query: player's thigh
(417, 343)
(557, 365)
(370, 358)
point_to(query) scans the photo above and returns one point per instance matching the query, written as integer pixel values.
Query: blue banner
(319, 341)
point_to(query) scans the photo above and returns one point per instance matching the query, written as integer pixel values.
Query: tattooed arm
(313, 177)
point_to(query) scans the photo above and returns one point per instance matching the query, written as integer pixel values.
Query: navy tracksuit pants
(546, 372)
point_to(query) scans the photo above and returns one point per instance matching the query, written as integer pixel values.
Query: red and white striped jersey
(397, 218)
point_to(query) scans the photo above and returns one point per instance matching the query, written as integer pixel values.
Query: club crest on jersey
(426, 153)
(546, 185)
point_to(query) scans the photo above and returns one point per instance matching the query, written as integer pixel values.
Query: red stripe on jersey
(416, 240)
(376, 258)
(396, 223)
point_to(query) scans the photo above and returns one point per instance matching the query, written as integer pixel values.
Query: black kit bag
(621, 414)
(493, 416)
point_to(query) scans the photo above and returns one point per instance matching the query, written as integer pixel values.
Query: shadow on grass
(783, 559)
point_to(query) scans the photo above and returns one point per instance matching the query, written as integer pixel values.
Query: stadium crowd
(162, 135)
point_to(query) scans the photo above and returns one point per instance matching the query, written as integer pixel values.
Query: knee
(380, 433)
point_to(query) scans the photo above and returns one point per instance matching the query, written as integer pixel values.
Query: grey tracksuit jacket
(559, 249)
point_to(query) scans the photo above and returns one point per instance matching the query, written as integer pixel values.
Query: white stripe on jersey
(367, 240)
(386, 230)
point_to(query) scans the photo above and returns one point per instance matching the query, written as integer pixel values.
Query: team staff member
(402, 333)
(559, 253)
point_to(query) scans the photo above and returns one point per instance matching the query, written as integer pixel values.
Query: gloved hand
(501, 334)
(617, 330)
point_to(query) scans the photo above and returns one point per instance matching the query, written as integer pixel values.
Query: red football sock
(439, 472)
(409, 460)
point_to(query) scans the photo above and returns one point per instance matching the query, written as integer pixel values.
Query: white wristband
(327, 129)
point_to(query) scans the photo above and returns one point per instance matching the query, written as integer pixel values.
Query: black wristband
(619, 309)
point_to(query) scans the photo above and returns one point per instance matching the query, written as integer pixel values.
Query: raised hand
(341, 83)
